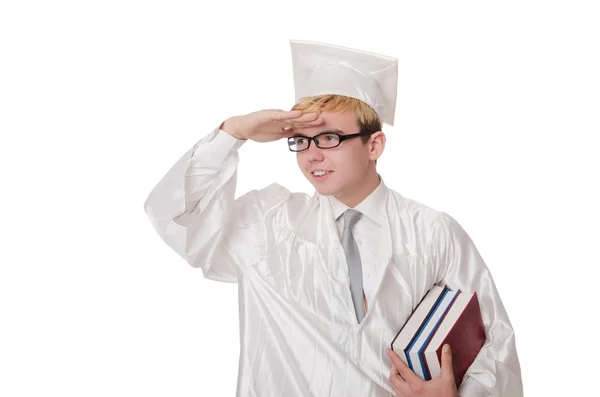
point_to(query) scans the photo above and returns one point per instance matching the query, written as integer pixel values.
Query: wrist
(229, 127)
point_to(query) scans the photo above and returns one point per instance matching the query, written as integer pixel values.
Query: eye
(330, 138)
(300, 141)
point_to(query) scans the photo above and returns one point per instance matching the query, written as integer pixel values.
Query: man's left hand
(407, 384)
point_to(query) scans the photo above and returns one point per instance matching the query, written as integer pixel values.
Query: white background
(497, 124)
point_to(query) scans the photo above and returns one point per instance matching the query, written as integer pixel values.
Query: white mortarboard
(321, 68)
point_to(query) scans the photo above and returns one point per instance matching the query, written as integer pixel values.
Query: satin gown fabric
(299, 332)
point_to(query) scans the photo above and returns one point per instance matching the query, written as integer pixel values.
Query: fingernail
(446, 348)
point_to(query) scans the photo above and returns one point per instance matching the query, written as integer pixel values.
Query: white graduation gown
(299, 334)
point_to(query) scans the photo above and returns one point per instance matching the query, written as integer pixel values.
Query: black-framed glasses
(324, 140)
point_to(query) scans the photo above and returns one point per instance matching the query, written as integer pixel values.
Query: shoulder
(277, 201)
(425, 222)
(283, 212)
(274, 196)
(414, 210)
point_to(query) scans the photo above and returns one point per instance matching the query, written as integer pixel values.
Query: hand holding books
(406, 383)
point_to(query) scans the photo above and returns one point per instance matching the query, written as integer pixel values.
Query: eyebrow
(335, 130)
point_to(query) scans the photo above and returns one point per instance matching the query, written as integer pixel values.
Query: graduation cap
(321, 68)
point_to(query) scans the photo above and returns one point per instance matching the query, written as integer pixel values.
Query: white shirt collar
(373, 206)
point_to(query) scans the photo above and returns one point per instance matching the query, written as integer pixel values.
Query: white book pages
(414, 322)
(425, 333)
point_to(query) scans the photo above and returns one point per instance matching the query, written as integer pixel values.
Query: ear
(376, 145)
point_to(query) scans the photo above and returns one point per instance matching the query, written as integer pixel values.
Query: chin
(325, 190)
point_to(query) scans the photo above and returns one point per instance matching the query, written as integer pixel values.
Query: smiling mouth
(321, 173)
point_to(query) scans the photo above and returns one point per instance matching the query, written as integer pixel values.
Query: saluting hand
(407, 384)
(269, 125)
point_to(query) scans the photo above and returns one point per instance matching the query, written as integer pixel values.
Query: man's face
(346, 165)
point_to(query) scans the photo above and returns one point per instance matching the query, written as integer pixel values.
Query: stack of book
(442, 317)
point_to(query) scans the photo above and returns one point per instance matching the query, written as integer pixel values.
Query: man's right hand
(269, 125)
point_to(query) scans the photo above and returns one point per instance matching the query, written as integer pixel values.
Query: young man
(326, 281)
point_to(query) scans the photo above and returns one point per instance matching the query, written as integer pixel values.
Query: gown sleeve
(194, 210)
(496, 370)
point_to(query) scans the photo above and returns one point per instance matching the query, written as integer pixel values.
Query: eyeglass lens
(324, 141)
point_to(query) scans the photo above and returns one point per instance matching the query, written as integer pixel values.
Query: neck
(358, 193)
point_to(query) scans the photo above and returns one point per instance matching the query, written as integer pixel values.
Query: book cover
(464, 331)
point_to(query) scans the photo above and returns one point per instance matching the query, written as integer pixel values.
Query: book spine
(433, 364)
(413, 365)
(426, 371)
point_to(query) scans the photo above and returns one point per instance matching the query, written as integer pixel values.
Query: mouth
(321, 175)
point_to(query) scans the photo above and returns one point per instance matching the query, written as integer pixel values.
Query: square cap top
(321, 68)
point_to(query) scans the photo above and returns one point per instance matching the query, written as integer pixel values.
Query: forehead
(342, 121)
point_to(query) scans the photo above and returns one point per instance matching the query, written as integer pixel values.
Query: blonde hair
(366, 117)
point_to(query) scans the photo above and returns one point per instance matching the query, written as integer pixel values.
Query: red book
(462, 328)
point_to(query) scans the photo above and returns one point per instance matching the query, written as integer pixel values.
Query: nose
(314, 154)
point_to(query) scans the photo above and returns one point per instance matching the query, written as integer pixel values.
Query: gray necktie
(354, 266)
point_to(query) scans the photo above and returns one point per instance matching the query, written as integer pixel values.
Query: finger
(288, 133)
(394, 373)
(280, 115)
(398, 392)
(399, 385)
(407, 374)
(296, 118)
(318, 121)
(447, 370)
(292, 125)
